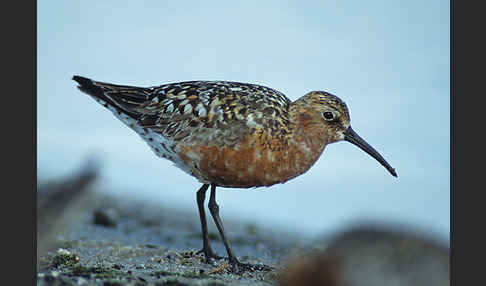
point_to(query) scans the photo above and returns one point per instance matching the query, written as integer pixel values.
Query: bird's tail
(123, 98)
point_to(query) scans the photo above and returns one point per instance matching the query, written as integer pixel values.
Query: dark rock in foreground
(372, 256)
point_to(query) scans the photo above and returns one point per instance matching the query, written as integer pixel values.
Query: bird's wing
(194, 107)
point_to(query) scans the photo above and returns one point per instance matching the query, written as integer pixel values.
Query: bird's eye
(328, 115)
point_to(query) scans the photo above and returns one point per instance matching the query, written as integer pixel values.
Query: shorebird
(230, 134)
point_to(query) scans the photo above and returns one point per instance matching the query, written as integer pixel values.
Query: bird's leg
(235, 264)
(207, 250)
(214, 208)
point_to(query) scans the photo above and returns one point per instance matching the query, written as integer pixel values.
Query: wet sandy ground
(85, 237)
(122, 241)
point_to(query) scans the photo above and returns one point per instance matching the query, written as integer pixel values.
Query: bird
(230, 134)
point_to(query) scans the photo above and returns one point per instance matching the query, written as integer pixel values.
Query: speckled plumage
(248, 125)
(230, 134)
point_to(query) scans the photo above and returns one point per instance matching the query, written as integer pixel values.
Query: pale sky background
(388, 60)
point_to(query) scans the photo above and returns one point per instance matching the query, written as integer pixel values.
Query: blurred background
(388, 60)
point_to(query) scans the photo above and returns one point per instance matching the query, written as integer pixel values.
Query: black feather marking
(88, 86)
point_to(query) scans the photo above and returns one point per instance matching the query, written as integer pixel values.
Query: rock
(372, 256)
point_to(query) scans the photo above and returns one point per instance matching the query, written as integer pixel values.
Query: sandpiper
(230, 134)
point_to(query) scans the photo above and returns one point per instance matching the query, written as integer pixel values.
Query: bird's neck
(308, 136)
(306, 126)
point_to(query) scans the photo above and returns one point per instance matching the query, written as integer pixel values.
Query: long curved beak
(354, 138)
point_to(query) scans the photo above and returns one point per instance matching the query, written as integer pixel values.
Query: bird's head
(329, 114)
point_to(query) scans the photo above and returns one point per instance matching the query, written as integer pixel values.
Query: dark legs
(207, 250)
(214, 209)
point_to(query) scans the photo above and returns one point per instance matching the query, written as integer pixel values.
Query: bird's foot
(209, 255)
(234, 266)
(247, 267)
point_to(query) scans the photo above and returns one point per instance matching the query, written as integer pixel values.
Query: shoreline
(125, 241)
